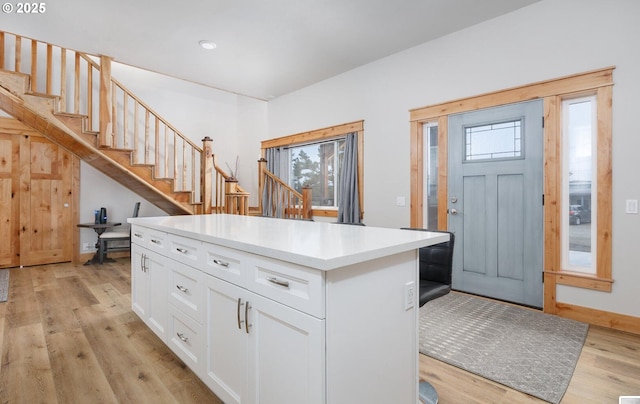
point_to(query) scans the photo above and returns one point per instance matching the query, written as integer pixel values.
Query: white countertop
(318, 245)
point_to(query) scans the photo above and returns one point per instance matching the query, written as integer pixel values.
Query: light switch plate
(632, 206)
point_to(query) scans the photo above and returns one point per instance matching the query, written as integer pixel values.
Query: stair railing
(83, 86)
(284, 201)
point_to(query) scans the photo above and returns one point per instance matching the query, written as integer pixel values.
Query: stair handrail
(288, 203)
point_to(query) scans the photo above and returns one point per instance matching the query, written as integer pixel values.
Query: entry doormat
(4, 284)
(524, 349)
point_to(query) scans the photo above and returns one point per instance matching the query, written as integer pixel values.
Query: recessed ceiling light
(207, 44)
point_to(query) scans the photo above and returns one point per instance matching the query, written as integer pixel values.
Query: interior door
(495, 201)
(9, 200)
(45, 199)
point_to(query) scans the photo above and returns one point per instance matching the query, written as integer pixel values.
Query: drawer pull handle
(182, 337)
(278, 282)
(246, 318)
(221, 263)
(137, 235)
(240, 321)
(182, 250)
(154, 241)
(182, 288)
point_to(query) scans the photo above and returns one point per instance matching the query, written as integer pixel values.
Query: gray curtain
(349, 202)
(276, 163)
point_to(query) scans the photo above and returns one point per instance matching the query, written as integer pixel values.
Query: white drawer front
(184, 337)
(185, 250)
(185, 290)
(139, 235)
(298, 287)
(156, 241)
(226, 263)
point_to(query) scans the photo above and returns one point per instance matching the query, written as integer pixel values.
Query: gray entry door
(495, 201)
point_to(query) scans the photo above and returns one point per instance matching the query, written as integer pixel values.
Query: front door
(495, 201)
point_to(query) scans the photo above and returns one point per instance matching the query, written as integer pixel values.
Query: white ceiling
(265, 48)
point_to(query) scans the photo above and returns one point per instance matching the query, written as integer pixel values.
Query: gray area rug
(4, 284)
(523, 349)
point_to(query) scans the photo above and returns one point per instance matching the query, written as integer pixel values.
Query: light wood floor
(67, 335)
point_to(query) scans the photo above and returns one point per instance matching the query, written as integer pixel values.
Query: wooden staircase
(38, 112)
(126, 140)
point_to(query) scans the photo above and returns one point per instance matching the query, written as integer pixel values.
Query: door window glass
(579, 186)
(493, 141)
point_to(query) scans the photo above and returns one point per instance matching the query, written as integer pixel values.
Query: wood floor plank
(77, 374)
(183, 384)
(129, 376)
(26, 375)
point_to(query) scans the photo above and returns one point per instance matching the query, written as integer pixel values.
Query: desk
(99, 228)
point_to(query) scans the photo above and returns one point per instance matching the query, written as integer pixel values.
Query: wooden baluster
(166, 149)
(89, 97)
(48, 83)
(125, 121)
(146, 136)
(107, 91)
(76, 84)
(184, 163)
(18, 55)
(136, 122)
(262, 166)
(63, 79)
(156, 147)
(34, 66)
(1, 50)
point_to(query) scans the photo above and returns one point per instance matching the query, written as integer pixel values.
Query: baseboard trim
(601, 318)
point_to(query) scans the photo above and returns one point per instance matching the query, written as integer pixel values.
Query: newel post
(207, 174)
(262, 166)
(106, 119)
(306, 202)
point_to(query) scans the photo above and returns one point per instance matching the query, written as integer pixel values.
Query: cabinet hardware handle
(182, 288)
(182, 250)
(142, 262)
(246, 318)
(239, 321)
(154, 241)
(221, 263)
(278, 282)
(182, 337)
(137, 235)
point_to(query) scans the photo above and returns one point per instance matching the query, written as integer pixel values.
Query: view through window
(317, 166)
(580, 186)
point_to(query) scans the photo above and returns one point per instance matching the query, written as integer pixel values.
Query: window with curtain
(320, 159)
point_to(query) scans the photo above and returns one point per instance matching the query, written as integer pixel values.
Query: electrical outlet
(87, 246)
(409, 295)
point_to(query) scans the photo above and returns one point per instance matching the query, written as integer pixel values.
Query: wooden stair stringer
(37, 113)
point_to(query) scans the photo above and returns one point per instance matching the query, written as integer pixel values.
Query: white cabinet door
(286, 354)
(158, 277)
(277, 357)
(225, 340)
(149, 294)
(139, 282)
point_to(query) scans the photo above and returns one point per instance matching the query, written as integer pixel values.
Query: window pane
(315, 166)
(579, 156)
(495, 141)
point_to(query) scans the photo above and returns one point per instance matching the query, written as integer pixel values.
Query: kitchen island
(270, 310)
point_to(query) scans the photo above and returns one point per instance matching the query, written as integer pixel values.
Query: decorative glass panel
(494, 141)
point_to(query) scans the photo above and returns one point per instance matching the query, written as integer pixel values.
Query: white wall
(546, 40)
